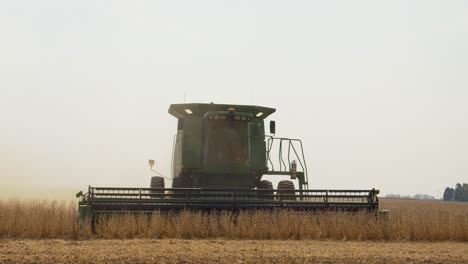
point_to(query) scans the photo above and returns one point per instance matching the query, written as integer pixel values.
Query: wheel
(287, 189)
(265, 185)
(156, 182)
(181, 182)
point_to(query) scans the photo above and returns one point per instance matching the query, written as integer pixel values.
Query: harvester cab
(221, 154)
(225, 146)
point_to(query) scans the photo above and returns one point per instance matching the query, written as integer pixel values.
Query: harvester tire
(157, 182)
(181, 182)
(265, 185)
(287, 190)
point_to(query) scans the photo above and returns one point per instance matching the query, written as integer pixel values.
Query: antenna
(184, 96)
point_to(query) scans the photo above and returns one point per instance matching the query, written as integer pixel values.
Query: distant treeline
(416, 196)
(460, 193)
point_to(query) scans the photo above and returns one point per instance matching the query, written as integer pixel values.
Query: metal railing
(293, 150)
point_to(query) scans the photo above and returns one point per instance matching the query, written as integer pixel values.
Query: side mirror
(272, 127)
(151, 163)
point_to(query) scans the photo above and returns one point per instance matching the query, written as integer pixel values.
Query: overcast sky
(376, 90)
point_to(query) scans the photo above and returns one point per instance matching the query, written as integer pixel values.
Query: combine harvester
(220, 156)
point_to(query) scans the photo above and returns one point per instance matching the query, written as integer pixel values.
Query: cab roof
(196, 109)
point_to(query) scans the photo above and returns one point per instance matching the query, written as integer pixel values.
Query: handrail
(299, 156)
(229, 189)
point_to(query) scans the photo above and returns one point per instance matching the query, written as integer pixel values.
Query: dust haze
(376, 91)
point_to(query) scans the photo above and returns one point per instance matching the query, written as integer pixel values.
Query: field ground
(222, 251)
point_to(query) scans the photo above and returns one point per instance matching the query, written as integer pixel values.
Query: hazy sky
(376, 90)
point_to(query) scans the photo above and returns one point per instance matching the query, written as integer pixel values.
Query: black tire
(265, 185)
(287, 189)
(157, 182)
(180, 182)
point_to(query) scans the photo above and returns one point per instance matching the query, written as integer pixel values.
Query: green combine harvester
(220, 155)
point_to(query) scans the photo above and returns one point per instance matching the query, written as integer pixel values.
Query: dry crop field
(409, 220)
(416, 231)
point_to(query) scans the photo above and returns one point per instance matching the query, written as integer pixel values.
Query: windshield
(225, 142)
